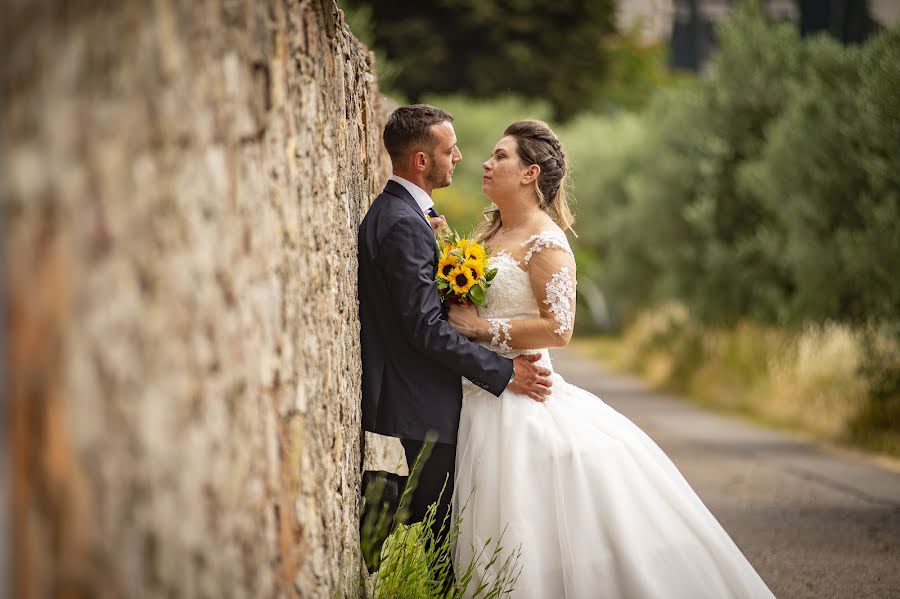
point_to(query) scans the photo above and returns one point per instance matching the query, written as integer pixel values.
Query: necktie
(432, 212)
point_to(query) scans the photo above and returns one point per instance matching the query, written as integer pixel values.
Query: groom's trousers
(436, 470)
(383, 490)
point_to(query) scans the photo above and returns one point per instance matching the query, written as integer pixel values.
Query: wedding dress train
(592, 503)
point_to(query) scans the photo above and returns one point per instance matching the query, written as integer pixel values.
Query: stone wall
(182, 183)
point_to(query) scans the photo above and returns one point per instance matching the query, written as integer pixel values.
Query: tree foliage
(769, 190)
(553, 51)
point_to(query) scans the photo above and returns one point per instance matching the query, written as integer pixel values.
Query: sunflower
(446, 265)
(463, 244)
(475, 251)
(447, 247)
(461, 280)
(476, 266)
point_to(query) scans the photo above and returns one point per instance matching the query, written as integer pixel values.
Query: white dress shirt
(419, 195)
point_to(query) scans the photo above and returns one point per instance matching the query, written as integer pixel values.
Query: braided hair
(537, 144)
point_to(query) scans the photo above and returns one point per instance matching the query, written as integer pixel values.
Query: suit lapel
(398, 191)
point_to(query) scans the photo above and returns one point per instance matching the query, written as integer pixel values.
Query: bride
(592, 504)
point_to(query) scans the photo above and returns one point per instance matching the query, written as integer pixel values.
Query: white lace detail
(560, 295)
(546, 239)
(505, 255)
(499, 326)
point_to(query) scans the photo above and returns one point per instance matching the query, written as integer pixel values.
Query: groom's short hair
(409, 127)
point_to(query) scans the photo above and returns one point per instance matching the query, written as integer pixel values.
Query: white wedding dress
(593, 504)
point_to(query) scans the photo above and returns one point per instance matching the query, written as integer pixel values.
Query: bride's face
(503, 171)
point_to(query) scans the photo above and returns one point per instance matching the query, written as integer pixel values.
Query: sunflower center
(446, 270)
(461, 280)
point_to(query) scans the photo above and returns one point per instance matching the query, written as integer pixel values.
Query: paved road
(814, 522)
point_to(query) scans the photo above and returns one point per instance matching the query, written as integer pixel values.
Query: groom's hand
(530, 379)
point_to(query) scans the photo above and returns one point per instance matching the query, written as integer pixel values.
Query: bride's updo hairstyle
(537, 144)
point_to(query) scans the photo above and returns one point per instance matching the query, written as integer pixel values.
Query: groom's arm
(406, 259)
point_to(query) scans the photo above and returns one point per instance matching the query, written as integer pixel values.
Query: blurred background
(179, 392)
(736, 168)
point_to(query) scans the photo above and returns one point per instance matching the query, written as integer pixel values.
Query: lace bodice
(509, 295)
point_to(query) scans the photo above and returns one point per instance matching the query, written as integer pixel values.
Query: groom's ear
(420, 161)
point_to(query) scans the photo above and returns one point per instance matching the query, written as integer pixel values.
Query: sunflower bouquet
(463, 276)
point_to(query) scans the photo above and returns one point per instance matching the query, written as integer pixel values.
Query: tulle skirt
(593, 506)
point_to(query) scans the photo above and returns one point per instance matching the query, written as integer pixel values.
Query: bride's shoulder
(549, 236)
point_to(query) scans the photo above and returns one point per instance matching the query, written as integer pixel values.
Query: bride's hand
(439, 225)
(465, 319)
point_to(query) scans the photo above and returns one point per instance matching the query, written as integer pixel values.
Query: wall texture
(182, 183)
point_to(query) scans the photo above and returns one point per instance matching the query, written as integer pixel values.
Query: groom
(412, 360)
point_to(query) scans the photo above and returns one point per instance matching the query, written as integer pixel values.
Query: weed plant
(413, 564)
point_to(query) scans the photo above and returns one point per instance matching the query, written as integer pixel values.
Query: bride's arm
(552, 276)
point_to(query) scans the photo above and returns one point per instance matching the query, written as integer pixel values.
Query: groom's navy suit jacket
(412, 359)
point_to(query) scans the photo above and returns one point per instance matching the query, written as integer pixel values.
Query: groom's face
(443, 156)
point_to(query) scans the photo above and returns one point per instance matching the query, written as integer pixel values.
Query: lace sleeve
(543, 240)
(552, 274)
(500, 334)
(560, 299)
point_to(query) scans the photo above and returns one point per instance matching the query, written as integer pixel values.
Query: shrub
(767, 191)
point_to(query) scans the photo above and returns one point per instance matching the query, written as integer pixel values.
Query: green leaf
(477, 294)
(489, 275)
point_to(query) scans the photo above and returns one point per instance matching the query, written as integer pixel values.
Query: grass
(415, 565)
(830, 381)
(605, 348)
